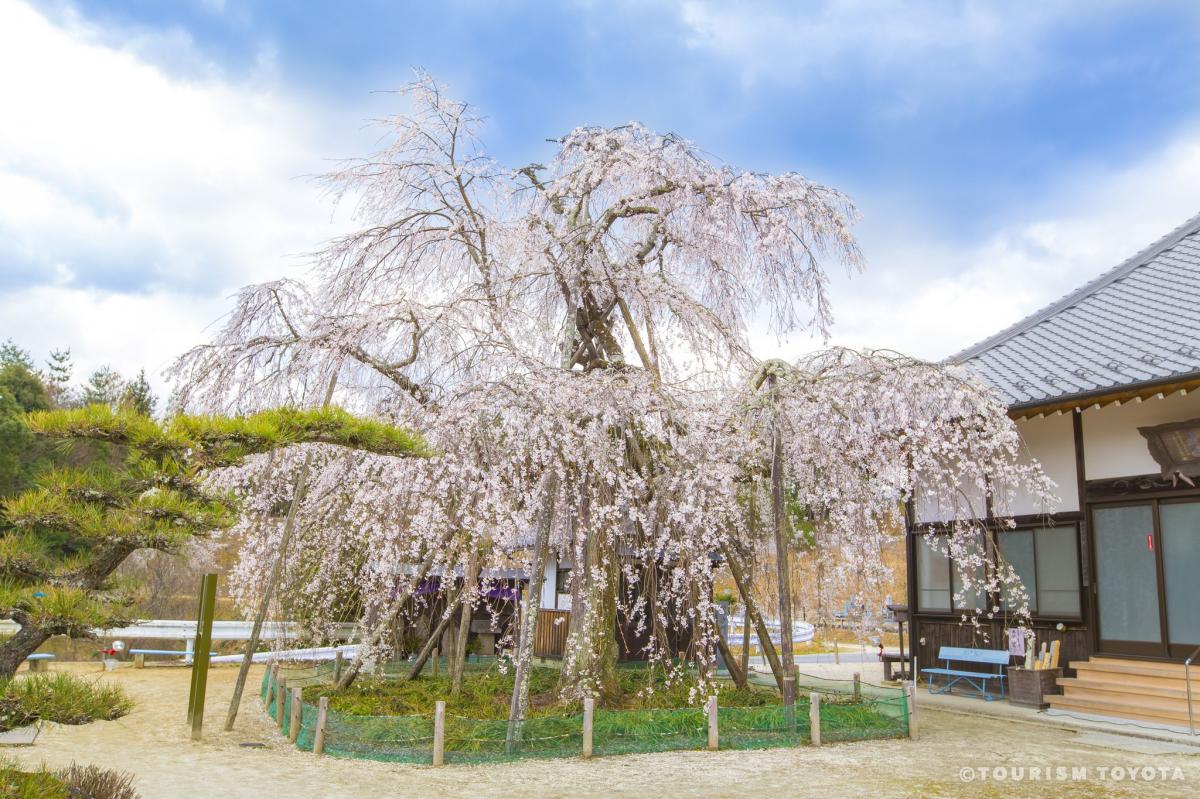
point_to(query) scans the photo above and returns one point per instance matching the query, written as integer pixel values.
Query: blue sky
(1000, 153)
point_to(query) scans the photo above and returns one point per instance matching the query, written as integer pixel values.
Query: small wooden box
(1027, 687)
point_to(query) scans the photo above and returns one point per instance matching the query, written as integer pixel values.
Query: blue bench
(978, 680)
(39, 661)
(139, 655)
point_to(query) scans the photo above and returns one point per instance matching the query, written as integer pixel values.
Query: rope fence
(826, 711)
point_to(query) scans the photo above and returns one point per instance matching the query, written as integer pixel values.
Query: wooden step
(1155, 703)
(1117, 686)
(1146, 674)
(1155, 665)
(1120, 709)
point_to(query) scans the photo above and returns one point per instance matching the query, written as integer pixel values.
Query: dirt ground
(153, 743)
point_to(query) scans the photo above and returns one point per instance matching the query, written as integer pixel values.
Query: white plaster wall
(1112, 446)
(927, 510)
(1050, 441)
(546, 595)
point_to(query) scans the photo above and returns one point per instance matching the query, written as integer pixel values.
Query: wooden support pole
(280, 702)
(857, 687)
(297, 706)
(439, 734)
(589, 709)
(910, 696)
(204, 624)
(435, 662)
(272, 684)
(814, 718)
(713, 732)
(322, 718)
(339, 662)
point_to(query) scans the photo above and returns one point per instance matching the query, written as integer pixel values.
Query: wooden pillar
(713, 733)
(280, 701)
(322, 719)
(339, 662)
(589, 708)
(204, 622)
(272, 684)
(439, 734)
(297, 706)
(814, 718)
(857, 687)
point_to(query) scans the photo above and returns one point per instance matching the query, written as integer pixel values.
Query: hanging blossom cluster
(570, 338)
(867, 433)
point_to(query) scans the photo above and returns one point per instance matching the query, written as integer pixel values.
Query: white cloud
(931, 299)
(918, 47)
(133, 200)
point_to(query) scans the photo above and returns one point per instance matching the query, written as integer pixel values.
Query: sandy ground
(153, 743)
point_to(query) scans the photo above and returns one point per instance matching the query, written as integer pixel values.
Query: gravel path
(153, 744)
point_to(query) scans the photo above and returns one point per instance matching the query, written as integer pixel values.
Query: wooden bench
(978, 680)
(890, 660)
(39, 661)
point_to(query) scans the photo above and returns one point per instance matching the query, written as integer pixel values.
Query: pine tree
(138, 396)
(68, 535)
(103, 387)
(59, 370)
(10, 353)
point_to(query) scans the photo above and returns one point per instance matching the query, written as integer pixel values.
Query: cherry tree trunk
(782, 565)
(590, 661)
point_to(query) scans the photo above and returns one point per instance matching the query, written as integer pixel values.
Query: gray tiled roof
(1137, 323)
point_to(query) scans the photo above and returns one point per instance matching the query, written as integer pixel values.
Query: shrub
(75, 782)
(93, 782)
(59, 697)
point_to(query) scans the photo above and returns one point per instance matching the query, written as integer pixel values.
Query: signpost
(204, 623)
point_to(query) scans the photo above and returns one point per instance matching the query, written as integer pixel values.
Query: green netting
(872, 712)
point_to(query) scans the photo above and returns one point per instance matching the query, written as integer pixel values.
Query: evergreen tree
(103, 387)
(21, 454)
(67, 536)
(138, 396)
(59, 369)
(10, 353)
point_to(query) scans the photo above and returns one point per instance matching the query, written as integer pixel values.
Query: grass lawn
(486, 694)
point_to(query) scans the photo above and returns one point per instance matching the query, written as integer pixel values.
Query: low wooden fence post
(713, 732)
(814, 718)
(294, 721)
(280, 701)
(857, 687)
(322, 718)
(910, 696)
(339, 662)
(589, 707)
(271, 684)
(439, 734)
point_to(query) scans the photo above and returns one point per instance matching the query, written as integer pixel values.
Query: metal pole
(1187, 681)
